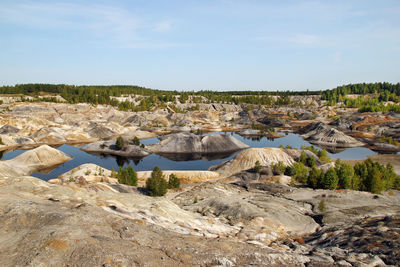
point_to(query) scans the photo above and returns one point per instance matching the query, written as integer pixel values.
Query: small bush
(156, 185)
(1, 141)
(278, 168)
(257, 167)
(322, 206)
(127, 176)
(136, 141)
(173, 181)
(119, 143)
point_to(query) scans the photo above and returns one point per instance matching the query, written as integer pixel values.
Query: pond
(148, 163)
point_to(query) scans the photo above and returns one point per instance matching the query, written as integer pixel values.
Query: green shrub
(173, 181)
(1, 141)
(257, 167)
(345, 173)
(156, 185)
(330, 179)
(323, 156)
(322, 206)
(303, 157)
(310, 161)
(314, 177)
(127, 176)
(136, 141)
(119, 143)
(299, 172)
(278, 168)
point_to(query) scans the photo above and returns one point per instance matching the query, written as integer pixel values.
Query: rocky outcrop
(187, 143)
(109, 147)
(256, 223)
(321, 134)
(262, 217)
(100, 131)
(8, 129)
(53, 225)
(34, 160)
(247, 159)
(250, 132)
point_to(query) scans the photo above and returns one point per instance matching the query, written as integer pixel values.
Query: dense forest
(377, 94)
(95, 94)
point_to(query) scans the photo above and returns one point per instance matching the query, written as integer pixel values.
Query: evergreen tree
(119, 143)
(173, 181)
(131, 178)
(314, 177)
(345, 173)
(257, 167)
(330, 179)
(136, 141)
(156, 185)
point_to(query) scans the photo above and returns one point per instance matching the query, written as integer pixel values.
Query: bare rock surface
(322, 134)
(190, 143)
(31, 161)
(43, 224)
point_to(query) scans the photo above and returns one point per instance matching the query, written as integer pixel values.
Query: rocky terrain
(226, 216)
(321, 134)
(254, 223)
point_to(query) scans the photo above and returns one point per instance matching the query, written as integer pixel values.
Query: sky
(200, 44)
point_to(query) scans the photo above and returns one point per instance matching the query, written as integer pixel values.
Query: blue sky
(203, 44)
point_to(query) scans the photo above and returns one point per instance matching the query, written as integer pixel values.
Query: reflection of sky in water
(149, 162)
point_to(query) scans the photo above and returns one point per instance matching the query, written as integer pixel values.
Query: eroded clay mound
(322, 134)
(34, 160)
(248, 158)
(191, 143)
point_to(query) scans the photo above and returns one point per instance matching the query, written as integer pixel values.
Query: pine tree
(156, 185)
(119, 143)
(330, 179)
(257, 167)
(173, 181)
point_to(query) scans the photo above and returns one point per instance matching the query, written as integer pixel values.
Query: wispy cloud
(108, 23)
(305, 39)
(163, 26)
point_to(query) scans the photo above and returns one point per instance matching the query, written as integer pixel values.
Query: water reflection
(181, 162)
(196, 156)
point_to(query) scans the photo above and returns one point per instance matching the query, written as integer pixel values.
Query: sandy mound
(247, 159)
(31, 161)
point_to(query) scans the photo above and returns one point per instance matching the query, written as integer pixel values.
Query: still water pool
(147, 163)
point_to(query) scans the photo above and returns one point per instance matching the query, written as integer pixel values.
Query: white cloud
(305, 39)
(163, 26)
(108, 23)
